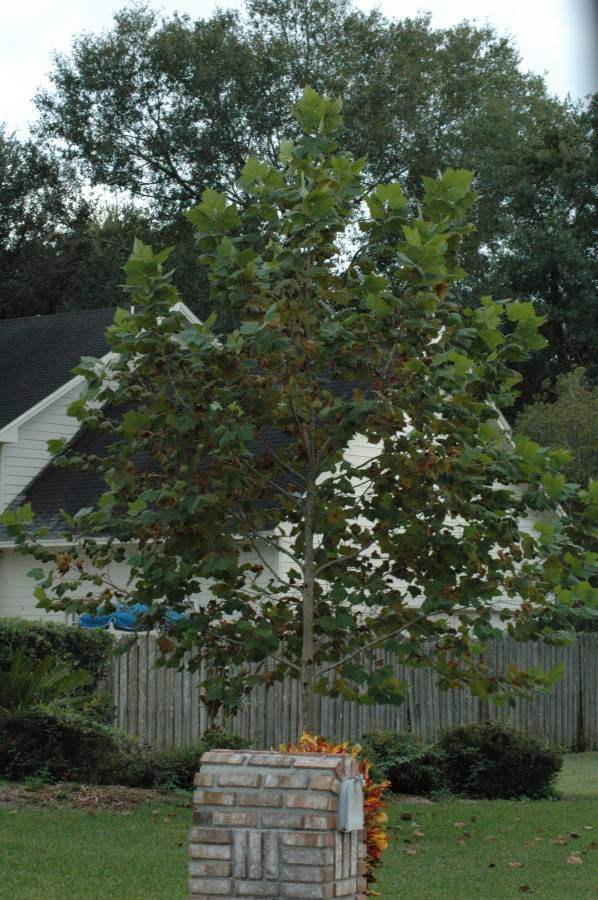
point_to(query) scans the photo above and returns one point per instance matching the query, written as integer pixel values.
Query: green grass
(67, 854)
(470, 860)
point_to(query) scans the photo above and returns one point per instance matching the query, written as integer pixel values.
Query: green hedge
(404, 760)
(493, 760)
(489, 760)
(81, 648)
(60, 742)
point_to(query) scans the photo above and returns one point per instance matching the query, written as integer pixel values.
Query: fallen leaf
(574, 834)
(561, 840)
(411, 851)
(418, 834)
(589, 827)
(574, 859)
(515, 865)
(467, 834)
(592, 845)
(460, 841)
(458, 824)
(406, 817)
(154, 816)
(524, 889)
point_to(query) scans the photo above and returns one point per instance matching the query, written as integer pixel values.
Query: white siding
(16, 589)
(23, 460)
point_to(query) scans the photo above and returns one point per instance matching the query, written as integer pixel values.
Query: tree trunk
(307, 656)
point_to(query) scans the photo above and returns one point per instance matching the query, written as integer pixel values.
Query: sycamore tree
(225, 456)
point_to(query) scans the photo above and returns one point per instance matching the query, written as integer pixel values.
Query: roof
(56, 488)
(38, 353)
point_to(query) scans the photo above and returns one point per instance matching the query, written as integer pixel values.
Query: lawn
(452, 849)
(498, 849)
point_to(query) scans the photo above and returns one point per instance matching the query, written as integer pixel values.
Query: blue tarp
(126, 618)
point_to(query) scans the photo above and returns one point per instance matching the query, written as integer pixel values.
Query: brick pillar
(265, 826)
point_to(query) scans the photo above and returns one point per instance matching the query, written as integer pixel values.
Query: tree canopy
(227, 457)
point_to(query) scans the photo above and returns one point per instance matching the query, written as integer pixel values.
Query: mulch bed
(77, 796)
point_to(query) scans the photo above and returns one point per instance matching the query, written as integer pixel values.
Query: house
(37, 355)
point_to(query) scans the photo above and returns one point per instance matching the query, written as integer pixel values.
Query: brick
(240, 854)
(308, 839)
(239, 779)
(309, 856)
(203, 779)
(214, 798)
(310, 800)
(271, 854)
(272, 760)
(345, 887)
(285, 781)
(210, 835)
(257, 889)
(353, 866)
(307, 761)
(362, 884)
(235, 819)
(346, 855)
(260, 799)
(201, 817)
(338, 855)
(199, 868)
(254, 855)
(223, 758)
(320, 823)
(309, 874)
(310, 891)
(324, 783)
(210, 888)
(281, 820)
(210, 851)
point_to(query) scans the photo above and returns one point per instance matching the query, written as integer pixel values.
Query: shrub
(63, 743)
(404, 760)
(174, 767)
(85, 649)
(493, 760)
(29, 683)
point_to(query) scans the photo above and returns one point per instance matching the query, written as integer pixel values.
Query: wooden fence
(161, 706)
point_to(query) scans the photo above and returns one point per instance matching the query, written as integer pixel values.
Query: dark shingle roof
(37, 354)
(56, 488)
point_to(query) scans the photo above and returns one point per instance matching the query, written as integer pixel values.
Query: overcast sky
(555, 37)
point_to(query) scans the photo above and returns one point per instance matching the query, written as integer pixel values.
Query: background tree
(224, 456)
(163, 108)
(567, 417)
(62, 249)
